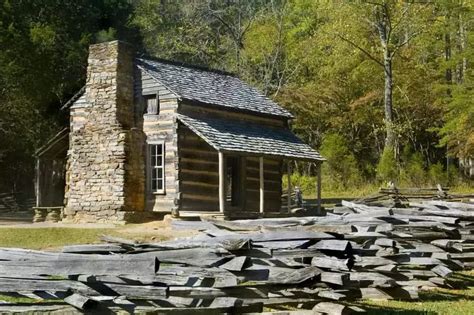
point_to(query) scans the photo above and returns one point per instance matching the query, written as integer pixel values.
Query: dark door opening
(234, 181)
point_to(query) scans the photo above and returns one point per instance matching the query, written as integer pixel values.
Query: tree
(42, 63)
(393, 22)
(457, 132)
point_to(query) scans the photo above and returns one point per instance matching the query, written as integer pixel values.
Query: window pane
(152, 105)
(155, 167)
(153, 150)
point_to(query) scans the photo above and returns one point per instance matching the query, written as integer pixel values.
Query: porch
(251, 160)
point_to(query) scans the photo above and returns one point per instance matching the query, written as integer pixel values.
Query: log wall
(196, 110)
(161, 128)
(272, 183)
(198, 173)
(199, 168)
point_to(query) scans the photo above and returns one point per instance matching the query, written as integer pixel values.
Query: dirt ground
(153, 231)
(16, 218)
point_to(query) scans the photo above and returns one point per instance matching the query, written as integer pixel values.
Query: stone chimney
(104, 179)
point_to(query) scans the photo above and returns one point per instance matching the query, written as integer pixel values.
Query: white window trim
(149, 168)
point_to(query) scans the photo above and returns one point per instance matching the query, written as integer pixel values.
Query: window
(156, 168)
(152, 104)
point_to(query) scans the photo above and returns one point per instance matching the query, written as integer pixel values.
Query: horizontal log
(142, 292)
(80, 301)
(67, 264)
(335, 278)
(14, 285)
(333, 245)
(331, 308)
(332, 263)
(331, 295)
(296, 276)
(94, 249)
(442, 271)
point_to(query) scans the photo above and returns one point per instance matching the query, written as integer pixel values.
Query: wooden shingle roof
(211, 87)
(233, 136)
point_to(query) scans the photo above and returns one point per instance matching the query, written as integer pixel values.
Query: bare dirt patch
(152, 231)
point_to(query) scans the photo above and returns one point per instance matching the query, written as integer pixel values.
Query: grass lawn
(53, 238)
(445, 302)
(44, 238)
(436, 302)
(440, 301)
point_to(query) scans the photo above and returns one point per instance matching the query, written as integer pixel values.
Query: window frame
(147, 97)
(150, 168)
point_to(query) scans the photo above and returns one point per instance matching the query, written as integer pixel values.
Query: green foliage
(291, 49)
(437, 174)
(387, 170)
(106, 35)
(458, 131)
(341, 163)
(413, 173)
(42, 63)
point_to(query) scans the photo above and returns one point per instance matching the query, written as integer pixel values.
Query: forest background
(383, 88)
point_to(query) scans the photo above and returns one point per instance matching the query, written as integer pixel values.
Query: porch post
(318, 185)
(221, 183)
(288, 172)
(262, 186)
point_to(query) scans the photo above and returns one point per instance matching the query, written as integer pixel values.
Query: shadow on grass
(440, 296)
(456, 281)
(463, 279)
(386, 310)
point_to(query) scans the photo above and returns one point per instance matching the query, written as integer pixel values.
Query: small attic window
(152, 104)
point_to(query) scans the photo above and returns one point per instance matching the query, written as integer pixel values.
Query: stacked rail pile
(397, 196)
(314, 263)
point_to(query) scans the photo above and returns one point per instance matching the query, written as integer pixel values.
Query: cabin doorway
(234, 181)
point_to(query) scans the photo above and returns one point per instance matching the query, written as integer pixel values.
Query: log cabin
(149, 135)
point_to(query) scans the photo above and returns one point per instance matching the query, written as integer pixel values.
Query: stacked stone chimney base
(104, 178)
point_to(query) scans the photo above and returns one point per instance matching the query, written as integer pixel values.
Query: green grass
(331, 189)
(436, 302)
(20, 299)
(42, 238)
(440, 301)
(463, 188)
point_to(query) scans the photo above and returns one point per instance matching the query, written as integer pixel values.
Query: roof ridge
(184, 65)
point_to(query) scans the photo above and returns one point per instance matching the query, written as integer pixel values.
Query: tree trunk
(462, 43)
(447, 57)
(384, 28)
(388, 106)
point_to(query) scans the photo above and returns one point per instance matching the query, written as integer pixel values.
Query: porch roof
(238, 137)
